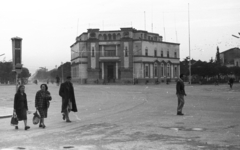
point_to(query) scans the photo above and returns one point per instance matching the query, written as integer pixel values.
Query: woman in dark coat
(66, 91)
(20, 106)
(42, 103)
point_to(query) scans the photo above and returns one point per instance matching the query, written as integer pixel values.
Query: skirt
(21, 114)
(43, 112)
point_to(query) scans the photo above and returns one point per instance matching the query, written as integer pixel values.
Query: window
(175, 54)
(237, 63)
(168, 70)
(146, 71)
(145, 36)
(105, 37)
(109, 37)
(93, 52)
(146, 52)
(161, 53)
(167, 53)
(175, 71)
(155, 70)
(162, 70)
(126, 52)
(149, 38)
(155, 53)
(114, 36)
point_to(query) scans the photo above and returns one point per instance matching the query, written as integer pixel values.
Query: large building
(123, 56)
(230, 57)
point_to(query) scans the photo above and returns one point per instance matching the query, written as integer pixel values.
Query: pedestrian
(21, 106)
(42, 103)
(180, 94)
(231, 82)
(57, 80)
(66, 91)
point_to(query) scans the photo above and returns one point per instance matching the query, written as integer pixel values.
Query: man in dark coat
(66, 91)
(180, 94)
(231, 82)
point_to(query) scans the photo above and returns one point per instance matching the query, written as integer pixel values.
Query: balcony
(108, 54)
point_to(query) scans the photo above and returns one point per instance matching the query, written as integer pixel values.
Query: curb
(5, 116)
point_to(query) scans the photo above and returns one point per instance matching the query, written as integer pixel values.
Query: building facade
(231, 57)
(123, 55)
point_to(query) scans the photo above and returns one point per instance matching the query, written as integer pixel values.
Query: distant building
(122, 56)
(230, 57)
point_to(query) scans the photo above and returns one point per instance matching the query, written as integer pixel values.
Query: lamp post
(190, 81)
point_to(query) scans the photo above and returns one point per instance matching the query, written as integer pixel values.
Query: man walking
(180, 94)
(66, 91)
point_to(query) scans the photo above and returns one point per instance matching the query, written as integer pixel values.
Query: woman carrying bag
(20, 106)
(42, 103)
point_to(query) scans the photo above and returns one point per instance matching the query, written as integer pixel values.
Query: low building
(123, 56)
(230, 58)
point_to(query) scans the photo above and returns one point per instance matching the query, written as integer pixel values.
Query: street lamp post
(189, 48)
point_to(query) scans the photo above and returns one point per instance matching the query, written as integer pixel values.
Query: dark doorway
(110, 73)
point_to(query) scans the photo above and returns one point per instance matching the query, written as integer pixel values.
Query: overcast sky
(49, 27)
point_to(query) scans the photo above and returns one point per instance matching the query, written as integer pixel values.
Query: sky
(49, 27)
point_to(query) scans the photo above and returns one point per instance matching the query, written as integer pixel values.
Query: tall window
(237, 63)
(155, 70)
(175, 71)
(161, 53)
(109, 37)
(105, 37)
(167, 53)
(175, 54)
(126, 52)
(162, 70)
(155, 53)
(114, 36)
(93, 52)
(146, 52)
(146, 71)
(168, 70)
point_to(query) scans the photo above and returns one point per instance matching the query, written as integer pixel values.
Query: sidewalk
(5, 112)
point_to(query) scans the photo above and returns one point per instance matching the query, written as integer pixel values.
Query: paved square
(130, 117)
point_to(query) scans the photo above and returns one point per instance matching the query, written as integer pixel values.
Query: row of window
(109, 36)
(155, 53)
(117, 36)
(126, 53)
(155, 71)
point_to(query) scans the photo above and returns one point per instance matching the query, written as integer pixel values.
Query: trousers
(181, 102)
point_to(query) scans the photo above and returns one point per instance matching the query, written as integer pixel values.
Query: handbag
(14, 120)
(36, 118)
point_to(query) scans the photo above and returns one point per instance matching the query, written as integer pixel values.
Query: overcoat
(20, 105)
(66, 91)
(40, 101)
(180, 88)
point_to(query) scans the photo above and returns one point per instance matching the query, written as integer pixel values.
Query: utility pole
(190, 76)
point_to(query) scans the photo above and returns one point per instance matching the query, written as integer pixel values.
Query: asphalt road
(130, 117)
